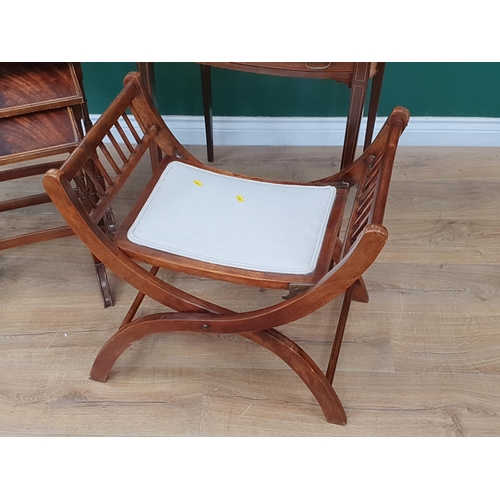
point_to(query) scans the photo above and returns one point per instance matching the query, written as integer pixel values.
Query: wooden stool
(214, 224)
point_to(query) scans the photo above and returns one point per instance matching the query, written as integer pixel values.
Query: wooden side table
(355, 75)
(43, 114)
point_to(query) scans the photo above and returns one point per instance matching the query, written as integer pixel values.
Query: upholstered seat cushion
(230, 221)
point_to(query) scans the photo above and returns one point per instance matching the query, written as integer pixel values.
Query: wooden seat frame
(364, 237)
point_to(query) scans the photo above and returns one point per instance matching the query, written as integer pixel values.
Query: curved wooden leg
(282, 346)
(359, 291)
(302, 364)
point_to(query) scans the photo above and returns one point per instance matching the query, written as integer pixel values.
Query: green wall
(426, 89)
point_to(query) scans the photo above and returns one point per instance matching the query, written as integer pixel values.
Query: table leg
(147, 71)
(358, 94)
(374, 102)
(206, 86)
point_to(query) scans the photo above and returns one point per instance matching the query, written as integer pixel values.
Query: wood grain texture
(30, 87)
(51, 132)
(338, 71)
(421, 358)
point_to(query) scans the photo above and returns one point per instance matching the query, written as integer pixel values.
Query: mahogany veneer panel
(338, 71)
(30, 87)
(37, 134)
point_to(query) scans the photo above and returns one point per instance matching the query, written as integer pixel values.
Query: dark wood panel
(36, 86)
(38, 134)
(338, 71)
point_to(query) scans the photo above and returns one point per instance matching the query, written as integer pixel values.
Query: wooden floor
(421, 359)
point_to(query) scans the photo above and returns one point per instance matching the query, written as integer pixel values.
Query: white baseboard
(293, 131)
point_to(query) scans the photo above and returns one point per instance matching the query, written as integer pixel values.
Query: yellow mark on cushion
(240, 198)
(198, 183)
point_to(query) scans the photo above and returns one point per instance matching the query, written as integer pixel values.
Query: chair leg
(103, 281)
(109, 222)
(282, 346)
(302, 364)
(87, 192)
(108, 225)
(137, 302)
(359, 291)
(206, 87)
(339, 334)
(374, 102)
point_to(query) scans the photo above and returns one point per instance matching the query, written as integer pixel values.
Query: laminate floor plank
(422, 358)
